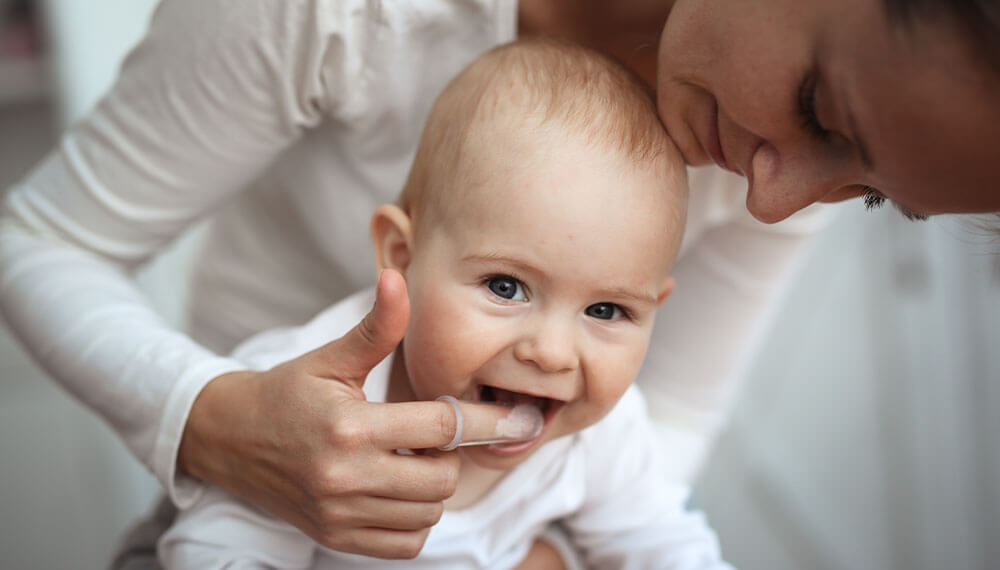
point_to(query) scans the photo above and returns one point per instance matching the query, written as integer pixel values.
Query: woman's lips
(713, 144)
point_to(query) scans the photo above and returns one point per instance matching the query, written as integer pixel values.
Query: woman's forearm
(194, 117)
(90, 328)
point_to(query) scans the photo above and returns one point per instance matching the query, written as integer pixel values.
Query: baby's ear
(668, 287)
(392, 236)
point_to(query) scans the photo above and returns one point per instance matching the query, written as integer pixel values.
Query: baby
(536, 232)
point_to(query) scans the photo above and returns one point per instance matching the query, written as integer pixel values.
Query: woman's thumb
(352, 356)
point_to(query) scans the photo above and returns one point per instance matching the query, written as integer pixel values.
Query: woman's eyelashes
(872, 198)
(506, 287)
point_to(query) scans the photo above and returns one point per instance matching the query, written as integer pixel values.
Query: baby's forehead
(500, 156)
(544, 177)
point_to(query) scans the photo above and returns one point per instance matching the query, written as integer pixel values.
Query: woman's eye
(604, 311)
(807, 107)
(506, 287)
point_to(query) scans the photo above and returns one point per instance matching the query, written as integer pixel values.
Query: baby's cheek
(443, 346)
(597, 405)
(576, 418)
(614, 375)
(605, 385)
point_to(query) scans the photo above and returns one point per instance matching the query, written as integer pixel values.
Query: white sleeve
(220, 532)
(630, 518)
(211, 96)
(730, 273)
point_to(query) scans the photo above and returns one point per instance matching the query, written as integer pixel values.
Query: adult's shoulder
(320, 51)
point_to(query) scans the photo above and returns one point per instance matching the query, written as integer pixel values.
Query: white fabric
(604, 483)
(290, 121)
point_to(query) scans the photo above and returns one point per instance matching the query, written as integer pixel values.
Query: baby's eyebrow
(493, 257)
(623, 293)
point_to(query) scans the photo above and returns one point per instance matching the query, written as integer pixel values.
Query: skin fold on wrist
(204, 430)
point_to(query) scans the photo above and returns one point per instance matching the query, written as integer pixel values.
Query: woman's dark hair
(979, 18)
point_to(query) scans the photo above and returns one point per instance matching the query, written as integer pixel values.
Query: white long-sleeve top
(605, 483)
(289, 121)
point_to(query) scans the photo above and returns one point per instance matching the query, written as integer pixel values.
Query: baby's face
(542, 289)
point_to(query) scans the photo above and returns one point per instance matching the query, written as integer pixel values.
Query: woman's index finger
(448, 424)
(412, 425)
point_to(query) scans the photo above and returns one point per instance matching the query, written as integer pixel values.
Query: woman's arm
(207, 101)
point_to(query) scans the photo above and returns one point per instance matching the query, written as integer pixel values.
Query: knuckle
(332, 516)
(366, 329)
(432, 515)
(331, 539)
(447, 422)
(348, 434)
(330, 483)
(448, 482)
(411, 546)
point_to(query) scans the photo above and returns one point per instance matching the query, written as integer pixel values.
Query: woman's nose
(782, 183)
(548, 345)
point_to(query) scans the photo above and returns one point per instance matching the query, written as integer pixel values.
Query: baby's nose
(550, 346)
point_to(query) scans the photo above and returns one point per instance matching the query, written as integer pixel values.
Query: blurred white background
(864, 437)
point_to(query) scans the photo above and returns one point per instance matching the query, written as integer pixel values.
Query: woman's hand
(300, 442)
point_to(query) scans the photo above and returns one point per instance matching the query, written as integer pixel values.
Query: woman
(292, 119)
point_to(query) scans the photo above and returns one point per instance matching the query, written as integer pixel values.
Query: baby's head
(536, 233)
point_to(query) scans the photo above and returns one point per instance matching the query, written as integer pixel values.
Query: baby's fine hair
(531, 84)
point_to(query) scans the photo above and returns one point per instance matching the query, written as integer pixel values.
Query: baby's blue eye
(604, 311)
(506, 287)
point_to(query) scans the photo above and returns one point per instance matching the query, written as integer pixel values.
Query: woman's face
(815, 100)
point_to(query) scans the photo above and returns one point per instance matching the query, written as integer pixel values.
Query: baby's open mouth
(492, 394)
(508, 398)
(547, 409)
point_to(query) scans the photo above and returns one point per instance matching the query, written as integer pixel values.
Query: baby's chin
(501, 457)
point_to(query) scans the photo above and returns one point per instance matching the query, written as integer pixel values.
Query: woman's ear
(668, 287)
(392, 236)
